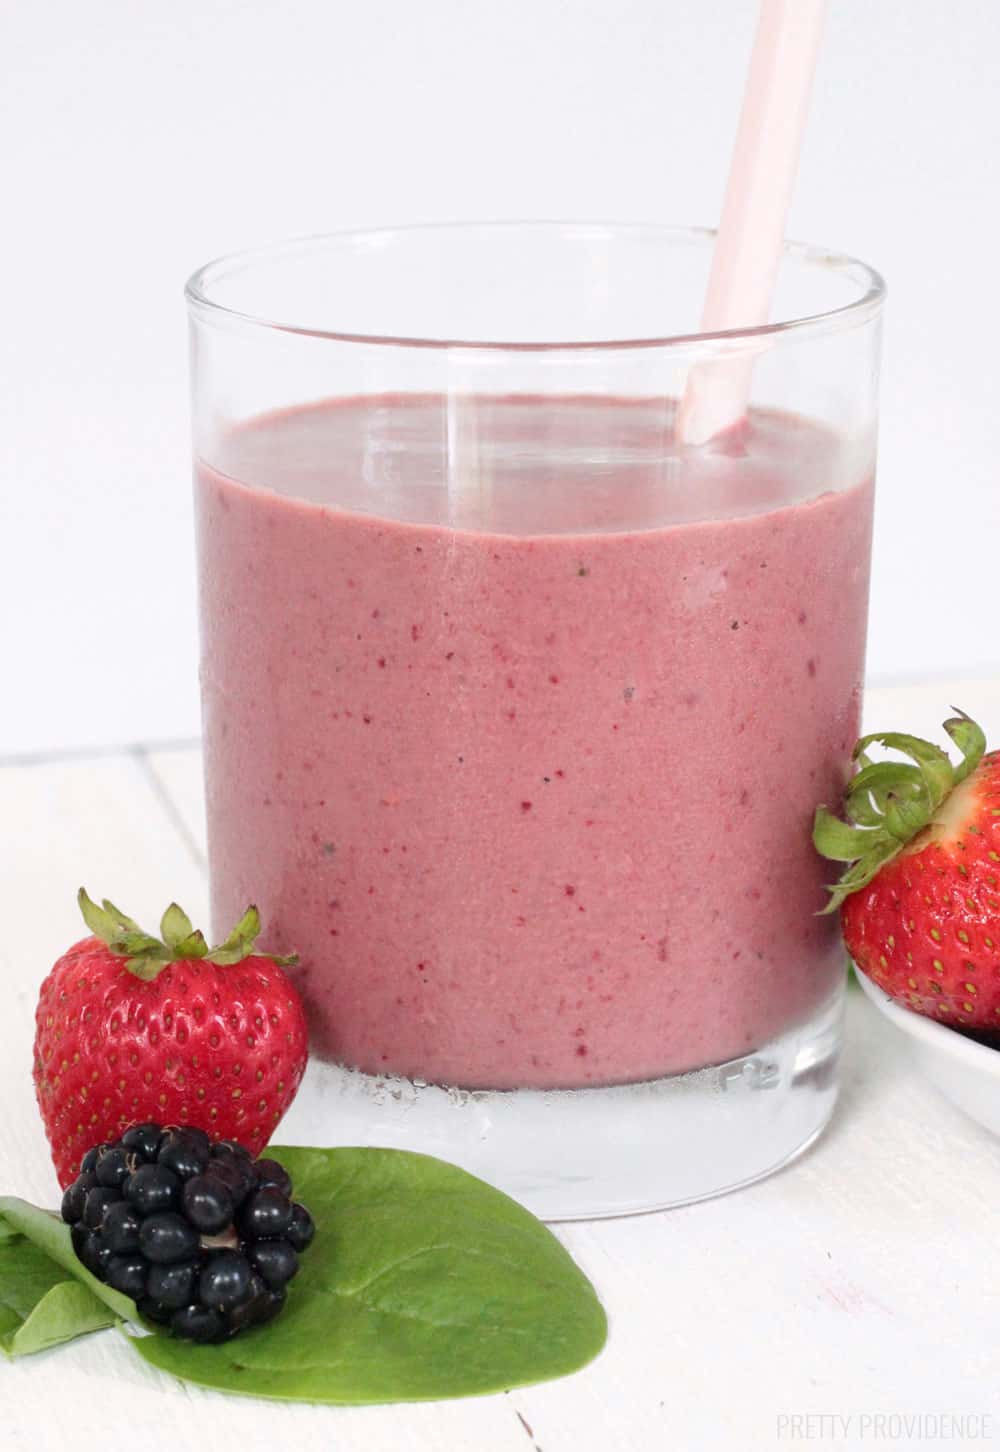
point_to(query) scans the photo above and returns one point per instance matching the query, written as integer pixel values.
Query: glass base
(587, 1153)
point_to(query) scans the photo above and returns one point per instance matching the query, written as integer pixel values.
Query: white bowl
(967, 1073)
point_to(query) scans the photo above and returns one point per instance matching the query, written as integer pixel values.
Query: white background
(139, 140)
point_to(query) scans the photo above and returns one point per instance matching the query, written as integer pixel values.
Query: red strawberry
(921, 902)
(129, 1028)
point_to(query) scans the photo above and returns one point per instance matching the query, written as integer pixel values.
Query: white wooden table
(860, 1283)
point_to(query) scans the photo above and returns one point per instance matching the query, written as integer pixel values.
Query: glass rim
(201, 304)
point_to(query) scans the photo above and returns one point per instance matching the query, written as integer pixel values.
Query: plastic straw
(758, 193)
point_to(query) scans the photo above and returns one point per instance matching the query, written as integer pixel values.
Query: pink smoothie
(514, 728)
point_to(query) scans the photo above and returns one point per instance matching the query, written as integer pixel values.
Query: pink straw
(758, 193)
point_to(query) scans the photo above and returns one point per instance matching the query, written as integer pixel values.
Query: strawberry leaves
(181, 937)
(969, 739)
(148, 956)
(175, 927)
(888, 803)
(105, 922)
(240, 941)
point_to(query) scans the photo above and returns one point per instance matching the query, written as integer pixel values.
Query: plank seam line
(140, 755)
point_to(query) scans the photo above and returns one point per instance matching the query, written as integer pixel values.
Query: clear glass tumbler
(517, 705)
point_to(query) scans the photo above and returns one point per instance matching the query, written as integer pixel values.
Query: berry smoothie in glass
(517, 706)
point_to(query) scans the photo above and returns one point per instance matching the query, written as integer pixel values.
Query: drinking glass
(517, 703)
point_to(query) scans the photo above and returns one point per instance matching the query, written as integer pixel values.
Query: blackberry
(155, 1311)
(182, 1154)
(232, 1147)
(73, 1202)
(267, 1212)
(301, 1231)
(274, 1261)
(112, 1167)
(201, 1236)
(120, 1228)
(152, 1188)
(201, 1323)
(87, 1244)
(207, 1203)
(167, 1237)
(226, 1280)
(173, 1285)
(142, 1140)
(79, 1236)
(263, 1305)
(236, 1175)
(127, 1273)
(89, 1162)
(97, 1202)
(195, 1136)
(269, 1172)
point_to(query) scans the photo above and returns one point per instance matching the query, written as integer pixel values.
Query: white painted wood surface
(861, 1281)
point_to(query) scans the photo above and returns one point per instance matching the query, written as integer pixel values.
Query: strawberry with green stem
(920, 897)
(131, 1028)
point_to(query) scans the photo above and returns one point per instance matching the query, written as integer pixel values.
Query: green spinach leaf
(50, 1236)
(39, 1304)
(423, 1282)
